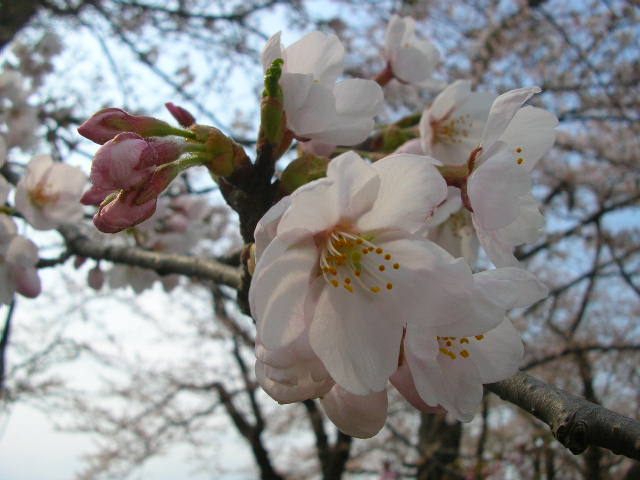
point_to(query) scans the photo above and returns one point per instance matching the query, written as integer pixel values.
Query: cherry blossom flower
(357, 208)
(18, 257)
(452, 127)
(410, 60)
(318, 108)
(49, 193)
(341, 274)
(513, 141)
(454, 368)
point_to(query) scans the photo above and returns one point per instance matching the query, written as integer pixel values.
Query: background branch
(162, 263)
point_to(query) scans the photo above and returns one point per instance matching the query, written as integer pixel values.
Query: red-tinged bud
(165, 149)
(123, 212)
(78, 261)
(94, 196)
(95, 278)
(159, 181)
(126, 161)
(109, 122)
(183, 117)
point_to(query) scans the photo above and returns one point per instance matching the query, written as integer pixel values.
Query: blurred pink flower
(48, 195)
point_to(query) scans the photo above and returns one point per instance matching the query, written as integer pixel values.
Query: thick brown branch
(162, 263)
(574, 421)
(13, 16)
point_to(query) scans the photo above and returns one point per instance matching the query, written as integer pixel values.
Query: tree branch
(162, 263)
(4, 343)
(574, 421)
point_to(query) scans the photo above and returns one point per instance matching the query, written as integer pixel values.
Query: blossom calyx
(104, 125)
(273, 121)
(221, 155)
(302, 171)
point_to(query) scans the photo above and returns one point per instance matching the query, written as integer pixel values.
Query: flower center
(353, 261)
(40, 196)
(454, 347)
(450, 130)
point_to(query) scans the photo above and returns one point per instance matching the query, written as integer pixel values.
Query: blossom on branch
(409, 59)
(18, 257)
(341, 268)
(316, 107)
(513, 141)
(126, 161)
(452, 127)
(49, 193)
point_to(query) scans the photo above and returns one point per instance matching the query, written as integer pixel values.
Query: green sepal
(272, 117)
(301, 171)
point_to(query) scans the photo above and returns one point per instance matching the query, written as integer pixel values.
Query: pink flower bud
(109, 122)
(126, 161)
(27, 281)
(95, 278)
(183, 117)
(123, 212)
(78, 261)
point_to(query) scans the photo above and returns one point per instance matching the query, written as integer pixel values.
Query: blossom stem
(181, 133)
(384, 77)
(455, 175)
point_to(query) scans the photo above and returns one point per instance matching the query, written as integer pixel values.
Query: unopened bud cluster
(140, 157)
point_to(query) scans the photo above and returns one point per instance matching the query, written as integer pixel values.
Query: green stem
(181, 133)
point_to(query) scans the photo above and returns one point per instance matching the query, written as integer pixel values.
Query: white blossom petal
(361, 416)
(268, 225)
(502, 111)
(358, 346)
(494, 188)
(531, 133)
(318, 54)
(498, 355)
(410, 190)
(272, 50)
(415, 64)
(310, 106)
(279, 288)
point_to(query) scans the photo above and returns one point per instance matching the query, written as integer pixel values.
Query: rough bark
(574, 421)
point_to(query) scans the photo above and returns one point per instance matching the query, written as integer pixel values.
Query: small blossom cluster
(46, 197)
(364, 278)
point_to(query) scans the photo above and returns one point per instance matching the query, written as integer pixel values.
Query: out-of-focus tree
(193, 378)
